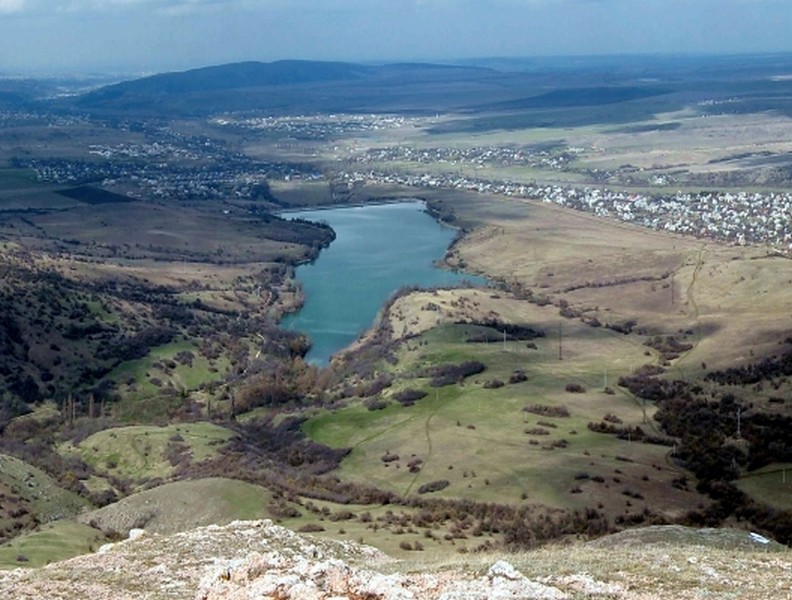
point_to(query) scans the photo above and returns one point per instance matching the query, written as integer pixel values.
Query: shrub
(375, 404)
(547, 411)
(575, 388)
(537, 431)
(414, 465)
(409, 397)
(443, 375)
(434, 486)
(388, 457)
(381, 382)
(343, 515)
(624, 327)
(493, 384)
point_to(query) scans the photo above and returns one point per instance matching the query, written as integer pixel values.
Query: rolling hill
(294, 86)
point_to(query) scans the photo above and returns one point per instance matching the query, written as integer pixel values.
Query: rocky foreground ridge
(248, 560)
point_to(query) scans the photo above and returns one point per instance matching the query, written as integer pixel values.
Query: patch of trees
(286, 443)
(79, 331)
(174, 313)
(380, 383)
(299, 231)
(545, 410)
(707, 428)
(409, 396)
(449, 374)
(769, 368)
(279, 383)
(614, 282)
(495, 331)
(634, 434)
(138, 345)
(375, 404)
(11, 407)
(434, 486)
(644, 384)
(668, 346)
(625, 327)
(769, 438)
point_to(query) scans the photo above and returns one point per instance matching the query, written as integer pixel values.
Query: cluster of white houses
(736, 217)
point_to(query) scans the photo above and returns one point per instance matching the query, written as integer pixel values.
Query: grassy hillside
(52, 542)
(481, 437)
(183, 505)
(139, 454)
(30, 496)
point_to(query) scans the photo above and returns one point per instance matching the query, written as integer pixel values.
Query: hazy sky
(50, 36)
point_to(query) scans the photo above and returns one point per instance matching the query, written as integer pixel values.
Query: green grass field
(141, 453)
(52, 542)
(183, 377)
(488, 448)
(771, 485)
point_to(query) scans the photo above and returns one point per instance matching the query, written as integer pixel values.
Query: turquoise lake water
(378, 249)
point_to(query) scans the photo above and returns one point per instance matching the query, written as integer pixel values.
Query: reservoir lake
(379, 248)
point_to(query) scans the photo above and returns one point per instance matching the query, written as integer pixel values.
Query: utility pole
(739, 422)
(560, 342)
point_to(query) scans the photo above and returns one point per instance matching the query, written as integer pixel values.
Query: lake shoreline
(377, 251)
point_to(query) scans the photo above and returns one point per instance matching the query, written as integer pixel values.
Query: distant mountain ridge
(315, 87)
(299, 84)
(235, 76)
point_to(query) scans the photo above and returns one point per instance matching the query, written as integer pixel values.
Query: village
(169, 165)
(737, 217)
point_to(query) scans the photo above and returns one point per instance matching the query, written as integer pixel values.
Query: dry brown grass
(735, 300)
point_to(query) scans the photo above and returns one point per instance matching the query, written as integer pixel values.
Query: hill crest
(269, 85)
(258, 559)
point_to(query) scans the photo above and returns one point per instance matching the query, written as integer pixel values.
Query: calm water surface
(378, 249)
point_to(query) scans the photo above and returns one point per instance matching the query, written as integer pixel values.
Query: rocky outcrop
(249, 560)
(276, 576)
